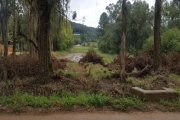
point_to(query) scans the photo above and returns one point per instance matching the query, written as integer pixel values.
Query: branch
(140, 73)
(23, 35)
(31, 41)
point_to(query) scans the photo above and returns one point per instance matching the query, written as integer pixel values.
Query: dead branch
(140, 73)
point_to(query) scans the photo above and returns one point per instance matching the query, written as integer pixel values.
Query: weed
(123, 85)
(174, 76)
(130, 79)
(107, 76)
(138, 83)
(65, 98)
(97, 71)
(148, 87)
(177, 89)
(68, 73)
(125, 103)
(151, 78)
(172, 105)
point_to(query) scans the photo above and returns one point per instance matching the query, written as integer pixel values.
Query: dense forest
(87, 34)
(140, 26)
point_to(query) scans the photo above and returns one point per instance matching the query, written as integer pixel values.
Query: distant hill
(89, 32)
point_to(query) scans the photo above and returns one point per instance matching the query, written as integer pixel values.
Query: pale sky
(92, 9)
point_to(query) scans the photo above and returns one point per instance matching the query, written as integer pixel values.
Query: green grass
(174, 76)
(126, 103)
(106, 57)
(130, 79)
(65, 98)
(177, 89)
(80, 49)
(171, 105)
(68, 73)
(97, 71)
(138, 83)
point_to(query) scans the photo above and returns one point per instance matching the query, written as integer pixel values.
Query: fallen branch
(140, 73)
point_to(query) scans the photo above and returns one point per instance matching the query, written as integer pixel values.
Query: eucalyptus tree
(170, 13)
(123, 40)
(157, 37)
(5, 12)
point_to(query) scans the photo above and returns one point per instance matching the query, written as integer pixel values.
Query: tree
(44, 8)
(123, 41)
(102, 23)
(4, 16)
(157, 37)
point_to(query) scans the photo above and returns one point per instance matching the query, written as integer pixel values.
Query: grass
(130, 79)
(138, 83)
(125, 103)
(177, 89)
(97, 71)
(174, 76)
(80, 49)
(68, 73)
(65, 99)
(171, 105)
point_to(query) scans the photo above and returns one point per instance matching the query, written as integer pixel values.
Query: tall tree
(44, 8)
(123, 41)
(14, 27)
(4, 16)
(157, 37)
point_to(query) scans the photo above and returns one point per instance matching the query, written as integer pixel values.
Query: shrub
(170, 41)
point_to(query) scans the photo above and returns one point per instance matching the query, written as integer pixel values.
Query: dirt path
(73, 56)
(96, 116)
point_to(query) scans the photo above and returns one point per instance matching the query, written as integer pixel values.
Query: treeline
(86, 34)
(140, 24)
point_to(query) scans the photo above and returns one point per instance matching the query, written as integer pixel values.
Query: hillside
(89, 33)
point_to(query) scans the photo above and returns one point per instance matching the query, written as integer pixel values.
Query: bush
(170, 41)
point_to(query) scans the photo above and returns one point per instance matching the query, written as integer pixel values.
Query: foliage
(65, 98)
(125, 103)
(88, 34)
(130, 79)
(68, 73)
(174, 76)
(138, 28)
(65, 37)
(98, 71)
(170, 40)
(171, 104)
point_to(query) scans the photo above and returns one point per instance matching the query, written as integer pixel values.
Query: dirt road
(96, 116)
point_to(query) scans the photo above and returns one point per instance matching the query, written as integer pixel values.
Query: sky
(92, 9)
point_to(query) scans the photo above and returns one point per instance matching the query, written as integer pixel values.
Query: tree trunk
(44, 10)
(4, 20)
(14, 31)
(5, 40)
(157, 37)
(31, 29)
(123, 42)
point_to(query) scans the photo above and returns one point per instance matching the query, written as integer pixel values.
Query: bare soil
(96, 116)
